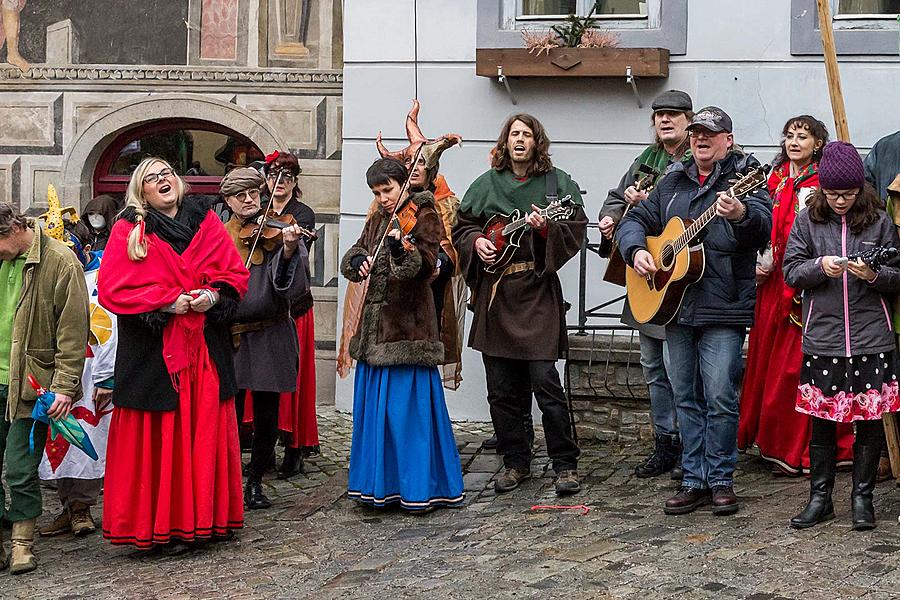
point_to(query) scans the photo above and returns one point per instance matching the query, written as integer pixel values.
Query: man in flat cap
(672, 113)
(706, 335)
(265, 337)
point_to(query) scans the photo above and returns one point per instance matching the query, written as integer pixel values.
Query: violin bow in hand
(393, 214)
(265, 212)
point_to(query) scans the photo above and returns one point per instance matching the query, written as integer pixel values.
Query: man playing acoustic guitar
(706, 335)
(519, 323)
(672, 113)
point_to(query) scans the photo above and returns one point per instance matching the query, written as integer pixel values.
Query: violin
(267, 227)
(405, 220)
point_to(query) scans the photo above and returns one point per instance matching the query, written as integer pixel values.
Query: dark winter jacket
(843, 316)
(883, 163)
(726, 294)
(399, 323)
(306, 219)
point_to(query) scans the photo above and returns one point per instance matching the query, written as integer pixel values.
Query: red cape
(129, 287)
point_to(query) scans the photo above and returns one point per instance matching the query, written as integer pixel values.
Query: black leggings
(265, 431)
(868, 433)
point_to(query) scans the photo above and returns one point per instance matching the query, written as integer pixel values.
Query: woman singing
(173, 277)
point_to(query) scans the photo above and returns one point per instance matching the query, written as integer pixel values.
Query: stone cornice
(174, 74)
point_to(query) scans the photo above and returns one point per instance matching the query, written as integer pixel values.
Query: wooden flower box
(572, 62)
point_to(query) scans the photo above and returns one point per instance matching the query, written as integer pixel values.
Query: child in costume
(403, 450)
(78, 477)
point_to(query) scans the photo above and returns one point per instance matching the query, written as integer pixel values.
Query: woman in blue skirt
(403, 450)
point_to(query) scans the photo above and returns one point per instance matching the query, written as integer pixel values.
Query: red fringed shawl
(129, 287)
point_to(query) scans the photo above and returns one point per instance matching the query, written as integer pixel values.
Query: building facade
(90, 87)
(760, 61)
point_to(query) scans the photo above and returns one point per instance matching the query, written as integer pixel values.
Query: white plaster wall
(738, 57)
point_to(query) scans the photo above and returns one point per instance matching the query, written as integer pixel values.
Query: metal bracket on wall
(631, 80)
(505, 81)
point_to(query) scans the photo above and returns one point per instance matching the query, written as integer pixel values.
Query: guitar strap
(552, 183)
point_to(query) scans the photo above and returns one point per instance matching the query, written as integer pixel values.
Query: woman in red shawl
(769, 395)
(173, 277)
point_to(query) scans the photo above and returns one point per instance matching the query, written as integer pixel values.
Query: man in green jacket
(42, 287)
(672, 113)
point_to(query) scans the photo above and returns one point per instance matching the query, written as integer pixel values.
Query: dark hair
(286, 161)
(540, 163)
(81, 231)
(10, 218)
(863, 213)
(816, 128)
(384, 170)
(687, 113)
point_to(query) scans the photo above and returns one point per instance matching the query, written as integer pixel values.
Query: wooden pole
(831, 70)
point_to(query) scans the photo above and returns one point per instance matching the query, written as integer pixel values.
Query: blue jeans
(654, 363)
(707, 409)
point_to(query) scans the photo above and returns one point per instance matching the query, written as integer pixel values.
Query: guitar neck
(520, 223)
(710, 213)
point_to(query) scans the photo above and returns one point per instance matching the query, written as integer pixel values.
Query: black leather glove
(395, 246)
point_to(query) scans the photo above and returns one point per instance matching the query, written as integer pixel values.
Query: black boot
(292, 463)
(821, 483)
(663, 458)
(254, 497)
(865, 469)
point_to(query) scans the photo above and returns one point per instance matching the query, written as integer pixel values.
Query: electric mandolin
(644, 180)
(505, 231)
(657, 297)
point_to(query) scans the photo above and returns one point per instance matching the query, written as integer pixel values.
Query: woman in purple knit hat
(849, 371)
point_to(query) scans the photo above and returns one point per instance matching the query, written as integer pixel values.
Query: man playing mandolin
(266, 350)
(672, 113)
(707, 333)
(519, 324)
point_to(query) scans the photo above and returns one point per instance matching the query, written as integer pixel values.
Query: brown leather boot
(82, 521)
(60, 525)
(23, 560)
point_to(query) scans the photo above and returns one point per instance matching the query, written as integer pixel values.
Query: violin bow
(403, 188)
(266, 212)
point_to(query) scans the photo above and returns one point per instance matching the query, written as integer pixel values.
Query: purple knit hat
(840, 167)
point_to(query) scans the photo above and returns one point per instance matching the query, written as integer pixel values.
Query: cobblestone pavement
(315, 543)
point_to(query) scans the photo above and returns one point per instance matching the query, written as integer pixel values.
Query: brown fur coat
(398, 324)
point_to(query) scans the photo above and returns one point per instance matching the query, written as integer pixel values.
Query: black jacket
(726, 294)
(142, 380)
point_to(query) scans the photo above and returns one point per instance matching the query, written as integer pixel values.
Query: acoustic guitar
(656, 298)
(644, 180)
(505, 231)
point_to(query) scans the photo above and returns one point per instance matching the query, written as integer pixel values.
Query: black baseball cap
(674, 100)
(712, 118)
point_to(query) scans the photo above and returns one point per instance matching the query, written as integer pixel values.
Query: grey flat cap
(674, 100)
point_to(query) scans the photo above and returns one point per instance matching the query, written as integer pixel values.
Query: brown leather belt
(238, 328)
(516, 267)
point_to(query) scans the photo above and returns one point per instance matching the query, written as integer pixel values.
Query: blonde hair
(134, 198)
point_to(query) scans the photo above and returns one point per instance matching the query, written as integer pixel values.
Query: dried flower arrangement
(574, 32)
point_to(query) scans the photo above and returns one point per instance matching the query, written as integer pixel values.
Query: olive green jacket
(50, 327)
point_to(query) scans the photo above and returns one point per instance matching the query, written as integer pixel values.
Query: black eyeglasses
(154, 177)
(286, 176)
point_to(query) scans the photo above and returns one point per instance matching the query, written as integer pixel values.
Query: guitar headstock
(645, 178)
(560, 209)
(753, 179)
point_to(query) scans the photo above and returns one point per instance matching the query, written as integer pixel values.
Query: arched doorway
(200, 151)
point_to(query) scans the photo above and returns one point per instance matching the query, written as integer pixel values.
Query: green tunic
(10, 290)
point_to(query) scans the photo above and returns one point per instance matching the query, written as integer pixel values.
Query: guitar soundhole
(667, 257)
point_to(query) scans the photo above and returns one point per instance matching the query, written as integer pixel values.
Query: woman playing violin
(264, 334)
(297, 412)
(403, 449)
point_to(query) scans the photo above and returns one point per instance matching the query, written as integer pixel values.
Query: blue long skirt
(403, 448)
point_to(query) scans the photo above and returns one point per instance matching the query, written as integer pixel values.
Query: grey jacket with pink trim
(843, 316)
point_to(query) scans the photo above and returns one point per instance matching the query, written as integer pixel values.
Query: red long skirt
(174, 474)
(297, 410)
(768, 416)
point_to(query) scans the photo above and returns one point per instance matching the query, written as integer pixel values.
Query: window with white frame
(862, 27)
(888, 9)
(603, 9)
(637, 23)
